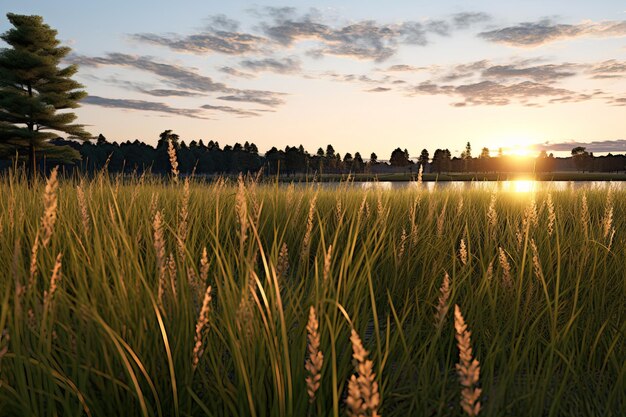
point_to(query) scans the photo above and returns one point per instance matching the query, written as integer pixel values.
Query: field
(150, 297)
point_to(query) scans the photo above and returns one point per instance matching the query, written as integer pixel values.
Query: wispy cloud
(618, 145)
(464, 20)
(235, 72)
(175, 75)
(534, 34)
(142, 106)
(266, 98)
(232, 110)
(187, 80)
(378, 90)
(288, 65)
(492, 93)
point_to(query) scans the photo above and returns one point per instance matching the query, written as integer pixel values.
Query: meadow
(144, 296)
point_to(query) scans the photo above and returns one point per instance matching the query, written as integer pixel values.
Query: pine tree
(33, 88)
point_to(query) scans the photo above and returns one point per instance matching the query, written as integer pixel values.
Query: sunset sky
(366, 76)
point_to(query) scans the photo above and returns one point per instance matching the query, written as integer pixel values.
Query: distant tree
(373, 159)
(320, 152)
(347, 161)
(399, 158)
(101, 139)
(357, 164)
(330, 151)
(33, 88)
(484, 154)
(423, 158)
(582, 158)
(441, 160)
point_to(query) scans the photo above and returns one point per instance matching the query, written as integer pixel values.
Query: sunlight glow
(520, 186)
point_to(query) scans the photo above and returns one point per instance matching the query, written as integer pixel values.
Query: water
(516, 186)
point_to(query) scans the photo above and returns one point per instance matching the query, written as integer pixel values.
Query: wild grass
(145, 297)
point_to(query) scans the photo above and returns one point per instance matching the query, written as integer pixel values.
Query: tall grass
(246, 299)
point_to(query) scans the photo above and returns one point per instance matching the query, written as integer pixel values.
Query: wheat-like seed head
(315, 358)
(49, 217)
(403, 239)
(380, 208)
(363, 396)
(48, 296)
(172, 271)
(241, 208)
(459, 207)
(530, 215)
(84, 211)
(442, 305)
(327, 263)
(463, 252)
(420, 172)
(33, 262)
(203, 320)
(159, 249)
(536, 262)
(338, 209)
(584, 214)
(282, 264)
(171, 152)
(204, 266)
(468, 368)
(183, 220)
(506, 268)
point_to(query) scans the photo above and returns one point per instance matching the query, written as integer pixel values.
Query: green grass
(106, 345)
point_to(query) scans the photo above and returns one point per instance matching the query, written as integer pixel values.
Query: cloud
(534, 34)
(465, 70)
(266, 98)
(141, 105)
(366, 39)
(404, 68)
(618, 145)
(220, 35)
(285, 66)
(548, 72)
(177, 76)
(466, 19)
(528, 93)
(608, 69)
(160, 92)
(229, 43)
(222, 22)
(184, 79)
(236, 73)
(378, 90)
(233, 110)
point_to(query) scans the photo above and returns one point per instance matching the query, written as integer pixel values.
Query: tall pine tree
(33, 88)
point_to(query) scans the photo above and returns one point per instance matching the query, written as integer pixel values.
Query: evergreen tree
(33, 88)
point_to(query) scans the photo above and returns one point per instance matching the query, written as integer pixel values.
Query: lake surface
(517, 186)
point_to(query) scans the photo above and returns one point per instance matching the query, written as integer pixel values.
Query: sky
(366, 76)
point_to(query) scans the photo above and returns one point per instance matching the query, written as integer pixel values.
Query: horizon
(362, 77)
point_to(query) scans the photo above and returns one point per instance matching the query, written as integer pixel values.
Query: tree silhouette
(399, 158)
(33, 88)
(581, 157)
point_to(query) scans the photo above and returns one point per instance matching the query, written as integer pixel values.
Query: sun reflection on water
(522, 186)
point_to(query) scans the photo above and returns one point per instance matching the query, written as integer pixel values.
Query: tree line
(209, 158)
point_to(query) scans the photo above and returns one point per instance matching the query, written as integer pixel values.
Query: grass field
(143, 297)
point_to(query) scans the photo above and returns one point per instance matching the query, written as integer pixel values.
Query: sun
(519, 146)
